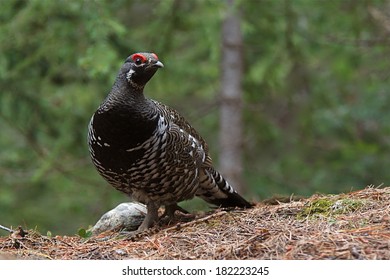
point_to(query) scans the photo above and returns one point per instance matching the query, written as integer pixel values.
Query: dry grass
(352, 226)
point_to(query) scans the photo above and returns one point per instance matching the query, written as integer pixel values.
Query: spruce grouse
(149, 151)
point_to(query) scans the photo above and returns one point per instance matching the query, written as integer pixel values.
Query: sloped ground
(346, 226)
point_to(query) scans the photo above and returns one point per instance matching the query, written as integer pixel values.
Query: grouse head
(140, 67)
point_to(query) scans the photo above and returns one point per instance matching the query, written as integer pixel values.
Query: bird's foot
(174, 213)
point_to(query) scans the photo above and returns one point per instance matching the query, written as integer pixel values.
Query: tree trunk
(230, 135)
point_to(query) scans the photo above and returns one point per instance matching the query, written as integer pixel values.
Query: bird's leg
(150, 218)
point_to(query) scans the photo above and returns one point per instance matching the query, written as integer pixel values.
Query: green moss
(319, 206)
(347, 205)
(329, 207)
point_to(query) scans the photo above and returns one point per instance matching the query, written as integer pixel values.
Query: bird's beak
(158, 64)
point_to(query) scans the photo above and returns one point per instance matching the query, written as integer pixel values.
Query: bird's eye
(138, 59)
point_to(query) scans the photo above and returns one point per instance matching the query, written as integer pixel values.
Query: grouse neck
(124, 96)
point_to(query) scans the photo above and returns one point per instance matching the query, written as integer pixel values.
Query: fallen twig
(6, 229)
(196, 221)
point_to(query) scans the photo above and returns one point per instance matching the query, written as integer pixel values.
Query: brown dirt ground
(356, 225)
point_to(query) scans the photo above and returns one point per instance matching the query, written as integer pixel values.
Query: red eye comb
(138, 56)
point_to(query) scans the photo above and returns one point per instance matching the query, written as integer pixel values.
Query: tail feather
(216, 190)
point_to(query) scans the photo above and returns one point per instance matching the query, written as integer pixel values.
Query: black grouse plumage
(149, 151)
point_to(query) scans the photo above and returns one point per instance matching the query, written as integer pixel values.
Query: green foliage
(316, 97)
(83, 233)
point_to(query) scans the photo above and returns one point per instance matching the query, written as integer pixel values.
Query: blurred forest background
(316, 108)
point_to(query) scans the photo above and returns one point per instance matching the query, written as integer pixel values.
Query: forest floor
(355, 225)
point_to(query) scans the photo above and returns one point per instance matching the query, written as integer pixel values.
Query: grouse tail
(215, 189)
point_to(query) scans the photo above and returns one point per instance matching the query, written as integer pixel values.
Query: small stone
(120, 252)
(127, 216)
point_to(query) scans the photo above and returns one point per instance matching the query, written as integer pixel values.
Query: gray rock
(127, 216)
